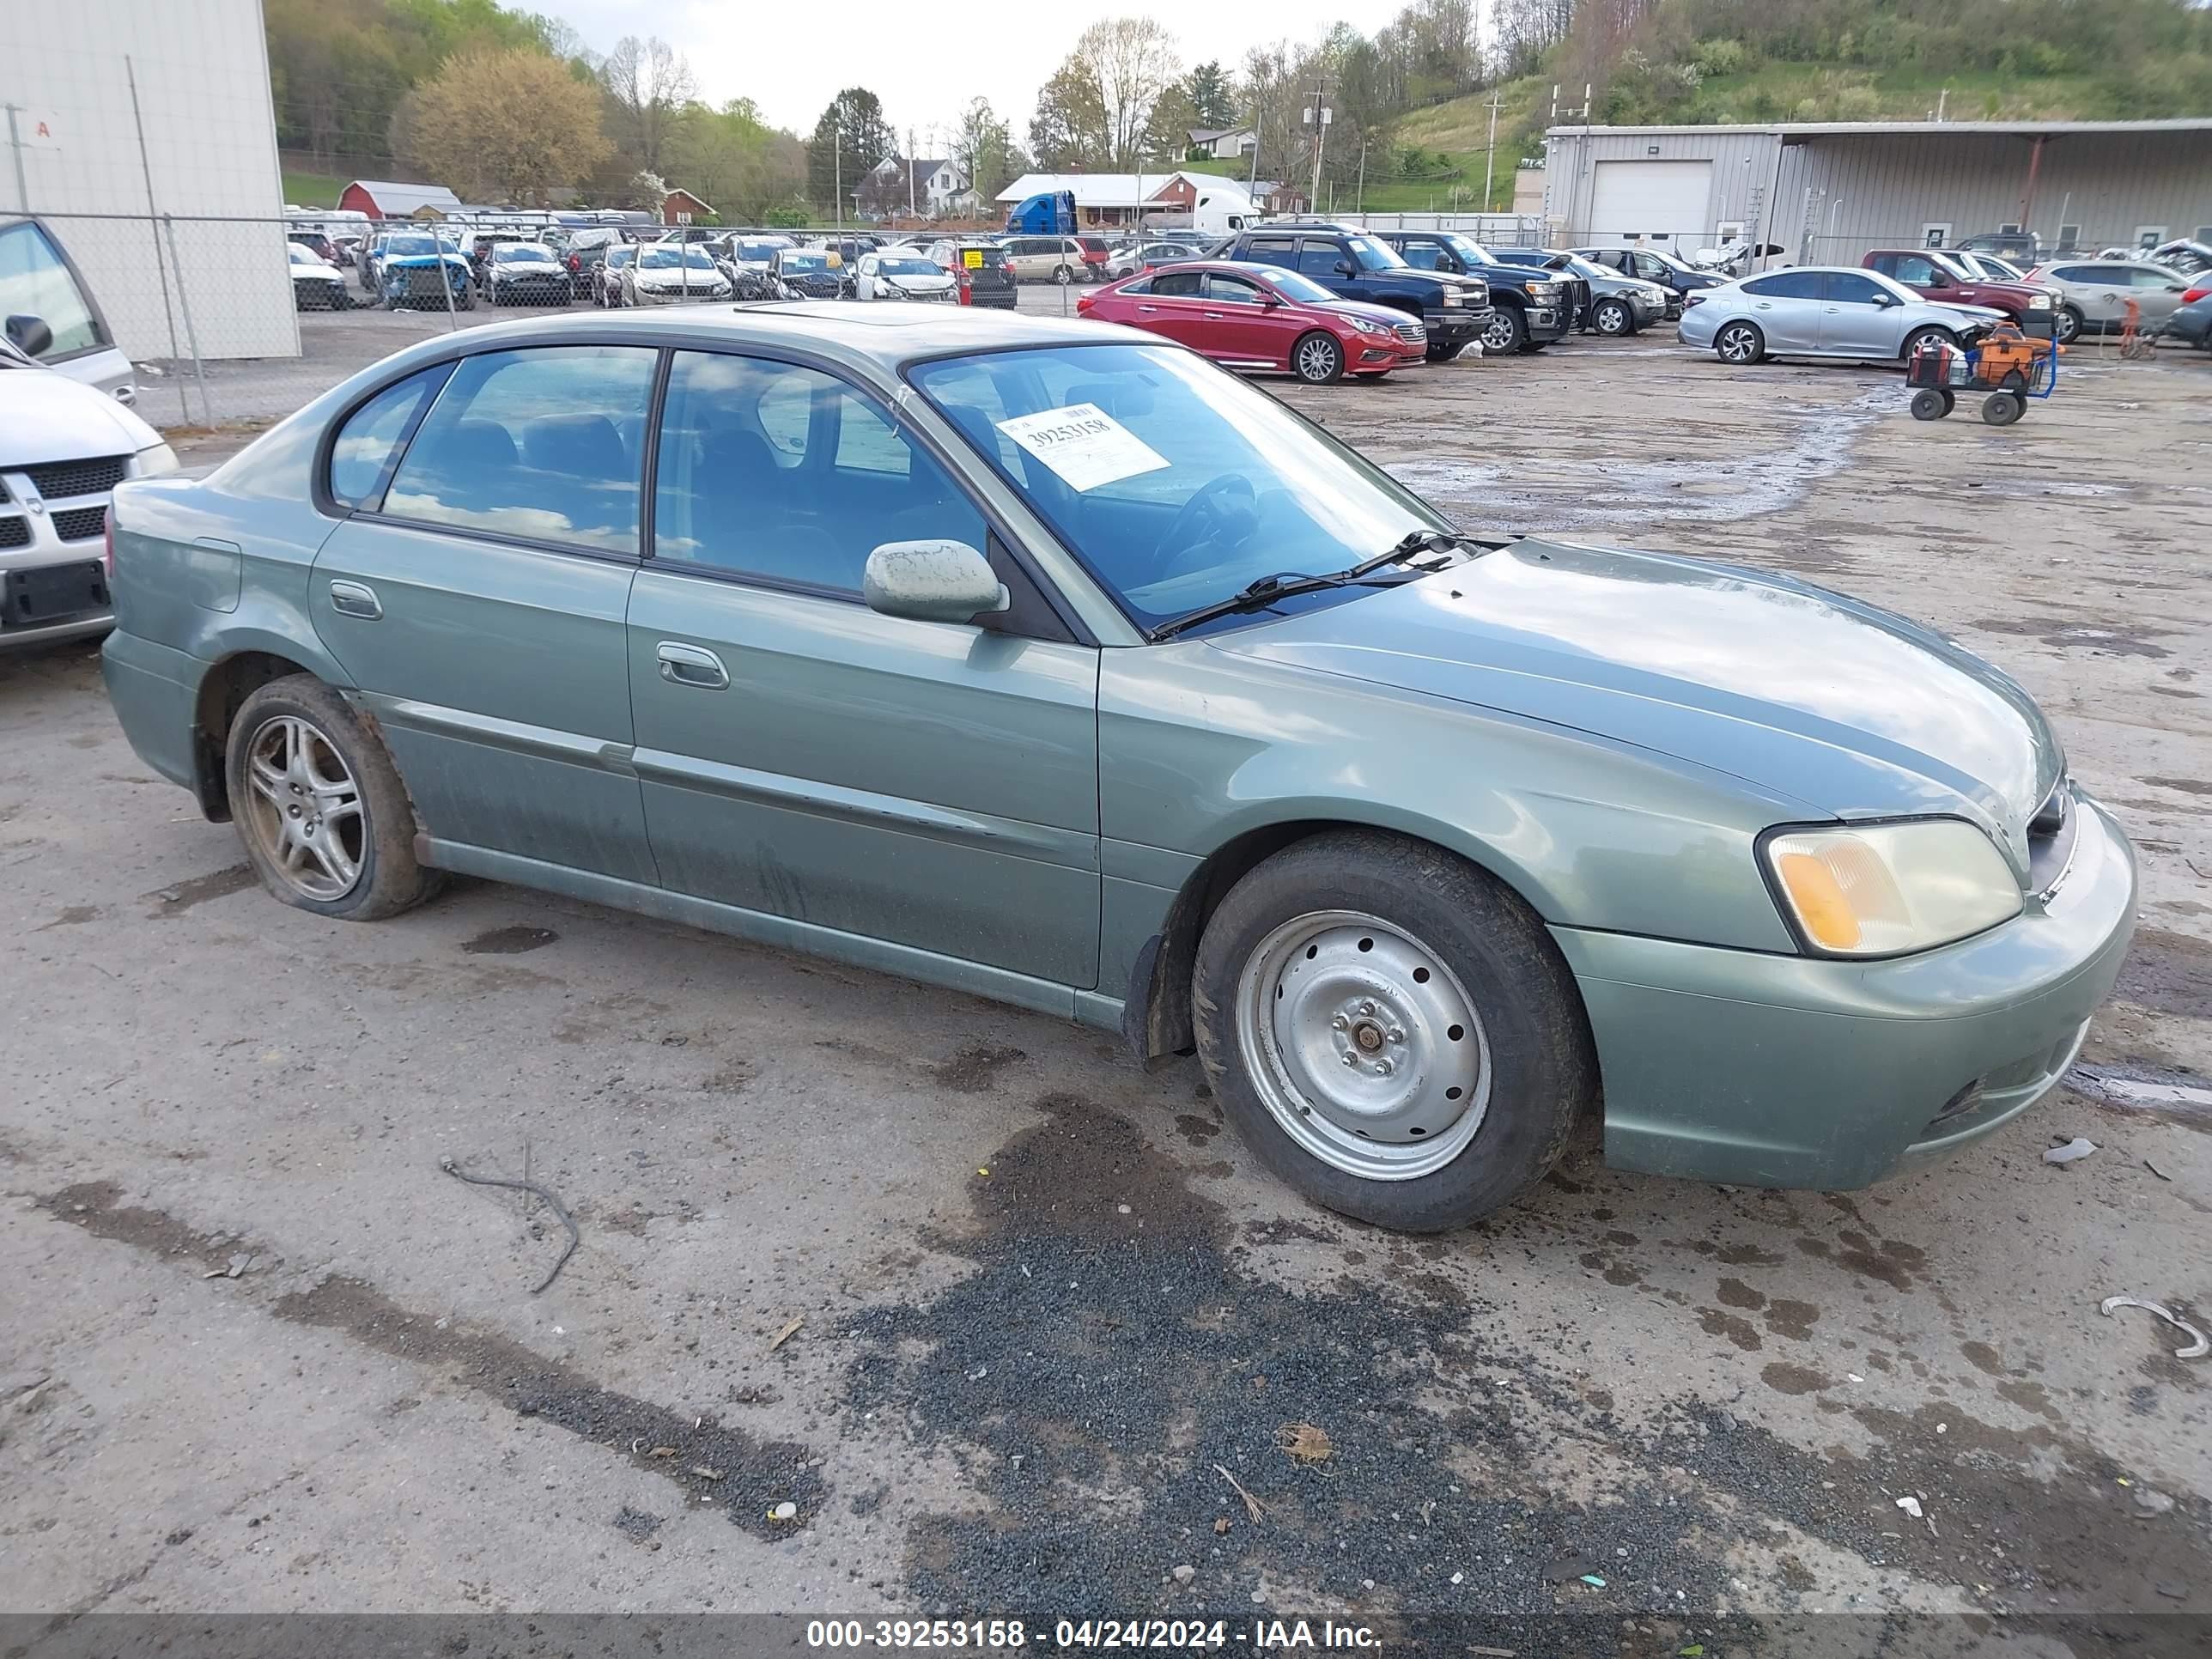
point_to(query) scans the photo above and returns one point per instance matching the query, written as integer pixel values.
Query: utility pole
(1490, 155)
(911, 212)
(1318, 116)
(837, 171)
(1359, 202)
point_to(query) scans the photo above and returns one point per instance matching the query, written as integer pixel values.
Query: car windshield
(621, 255)
(1951, 264)
(909, 268)
(754, 253)
(1294, 285)
(1470, 252)
(1176, 484)
(303, 256)
(1889, 284)
(659, 258)
(522, 255)
(1373, 255)
(805, 261)
(406, 246)
(1590, 268)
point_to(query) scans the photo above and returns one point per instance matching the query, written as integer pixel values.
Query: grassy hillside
(314, 189)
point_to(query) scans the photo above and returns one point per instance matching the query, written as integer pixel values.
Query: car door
(2157, 291)
(1859, 318)
(1173, 304)
(1786, 306)
(930, 786)
(864, 277)
(478, 596)
(2100, 291)
(1247, 328)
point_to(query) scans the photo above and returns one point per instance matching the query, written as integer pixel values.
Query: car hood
(422, 261)
(1383, 314)
(45, 416)
(1850, 709)
(920, 284)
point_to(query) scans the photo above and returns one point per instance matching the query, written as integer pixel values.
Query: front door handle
(1147, 310)
(355, 600)
(687, 664)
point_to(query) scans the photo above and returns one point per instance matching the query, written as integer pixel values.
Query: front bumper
(1453, 325)
(1549, 322)
(677, 296)
(1772, 1071)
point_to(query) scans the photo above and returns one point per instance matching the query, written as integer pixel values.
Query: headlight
(1883, 888)
(154, 459)
(2039, 302)
(1368, 326)
(1454, 297)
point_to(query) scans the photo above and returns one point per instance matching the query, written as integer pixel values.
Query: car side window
(1423, 256)
(1786, 285)
(1318, 259)
(1142, 285)
(540, 443)
(732, 494)
(1176, 285)
(362, 452)
(1848, 289)
(2157, 279)
(1274, 251)
(1914, 271)
(34, 279)
(1226, 290)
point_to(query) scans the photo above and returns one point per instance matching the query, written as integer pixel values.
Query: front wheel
(1063, 276)
(1317, 359)
(1740, 343)
(1611, 318)
(326, 820)
(1391, 1030)
(1921, 338)
(2066, 327)
(1508, 331)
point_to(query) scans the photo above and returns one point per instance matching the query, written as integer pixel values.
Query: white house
(936, 188)
(1223, 144)
(209, 159)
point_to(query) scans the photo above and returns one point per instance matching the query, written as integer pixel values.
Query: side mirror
(942, 582)
(30, 334)
(1346, 268)
(1883, 302)
(1270, 302)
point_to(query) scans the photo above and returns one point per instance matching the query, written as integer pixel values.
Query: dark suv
(1356, 265)
(1530, 306)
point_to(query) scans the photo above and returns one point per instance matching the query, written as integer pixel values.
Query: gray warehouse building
(1828, 190)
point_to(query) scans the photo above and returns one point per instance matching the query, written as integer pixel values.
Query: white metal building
(1827, 191)
(208, 159)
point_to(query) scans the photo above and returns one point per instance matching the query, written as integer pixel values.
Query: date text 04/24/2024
(1012, 1635)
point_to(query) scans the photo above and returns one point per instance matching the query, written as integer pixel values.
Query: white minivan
(37, 280)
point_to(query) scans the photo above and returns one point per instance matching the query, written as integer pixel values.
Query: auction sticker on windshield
(1085, 445)
(972, 258)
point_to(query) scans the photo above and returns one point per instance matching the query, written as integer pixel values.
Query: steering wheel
(1219, 518)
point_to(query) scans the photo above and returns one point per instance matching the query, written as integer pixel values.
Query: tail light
(2196, 293)
(575, 262)
(965, 279)
(1692, 298)
(1083, 303)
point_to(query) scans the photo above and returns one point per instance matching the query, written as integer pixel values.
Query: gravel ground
(1051, 1316)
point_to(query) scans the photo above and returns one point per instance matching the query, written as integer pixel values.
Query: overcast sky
(924, 60)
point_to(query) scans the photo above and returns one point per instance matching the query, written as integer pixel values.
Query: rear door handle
(355, 600)
(687, 664)
(1213, 316)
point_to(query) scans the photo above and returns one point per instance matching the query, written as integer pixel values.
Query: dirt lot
(1038, 1309)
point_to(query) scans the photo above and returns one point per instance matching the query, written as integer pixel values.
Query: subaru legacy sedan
(1048, 661)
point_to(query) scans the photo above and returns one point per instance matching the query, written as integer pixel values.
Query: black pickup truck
(1530, 306)
(1355, 265)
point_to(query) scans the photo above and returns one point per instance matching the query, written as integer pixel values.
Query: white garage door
(1653, 199)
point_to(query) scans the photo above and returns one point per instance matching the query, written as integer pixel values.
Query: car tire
(2067, 325)
(1507, 331)
(465, 299)
(1610, 317)
(1063, 276)
(310, 753)
(1354, 944)
(1317, 358)
(1920, 337)
(1740, 343)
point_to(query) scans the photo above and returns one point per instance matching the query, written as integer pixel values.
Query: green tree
(850, 137)
(983, 148)
(1212, 99)
(1068, 130)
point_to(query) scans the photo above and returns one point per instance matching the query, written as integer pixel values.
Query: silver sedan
(2094, 293)
(1823, 311)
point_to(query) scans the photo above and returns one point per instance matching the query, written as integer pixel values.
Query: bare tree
(650, 84)
(1132, 61)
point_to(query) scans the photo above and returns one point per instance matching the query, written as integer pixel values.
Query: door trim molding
(517, 736)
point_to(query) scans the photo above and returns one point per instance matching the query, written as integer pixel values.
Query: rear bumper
(1771, 1071)
(155, 691)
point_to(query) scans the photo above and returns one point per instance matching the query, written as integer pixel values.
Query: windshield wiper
(1259, 595)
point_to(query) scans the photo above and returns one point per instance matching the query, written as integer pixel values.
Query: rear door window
(541, 444)
(1847, 288)
(1274, 251)
(1786, 285)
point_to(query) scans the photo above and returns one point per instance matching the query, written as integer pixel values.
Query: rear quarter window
(362, 453)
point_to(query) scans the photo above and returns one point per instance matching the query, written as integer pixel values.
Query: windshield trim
(966, 456)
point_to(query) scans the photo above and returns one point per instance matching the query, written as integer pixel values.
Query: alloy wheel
(1739, 343)
(1498, 335)
(1317, 360)
(1611, 318)
(305, 808)
(1362, 1045)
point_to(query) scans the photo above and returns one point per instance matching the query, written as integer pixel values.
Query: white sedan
(317, 284)
(902, 274)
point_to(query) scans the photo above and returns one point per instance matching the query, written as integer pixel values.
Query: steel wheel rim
(1344, 1024)
(304, 808)
(1736, 344)
(1315, 360)
(1498, 335)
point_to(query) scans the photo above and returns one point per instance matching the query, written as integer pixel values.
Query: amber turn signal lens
(1819, 901)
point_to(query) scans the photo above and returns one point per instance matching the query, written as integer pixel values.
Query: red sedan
(1262, 317)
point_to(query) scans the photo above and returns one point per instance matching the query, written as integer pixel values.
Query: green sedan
(1045, 661)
